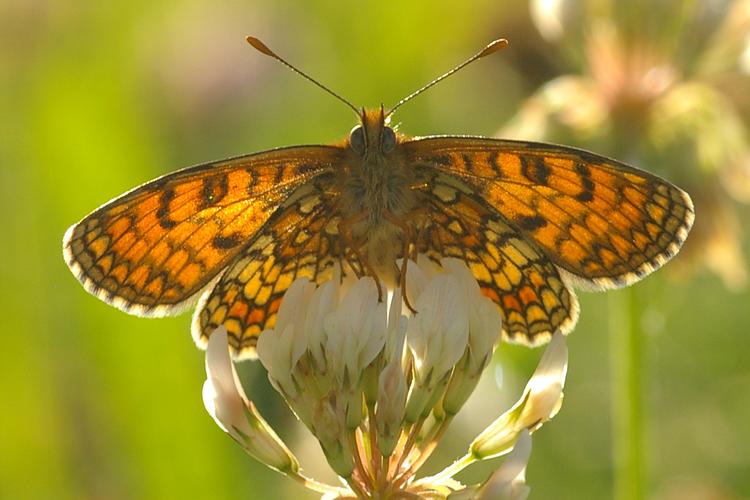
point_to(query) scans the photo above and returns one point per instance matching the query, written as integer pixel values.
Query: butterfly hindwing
(300, 240)
(532, 296)
(599, 220)
(150, 251)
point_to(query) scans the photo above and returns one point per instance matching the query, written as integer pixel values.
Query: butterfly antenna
(489, 49)
(263, 49)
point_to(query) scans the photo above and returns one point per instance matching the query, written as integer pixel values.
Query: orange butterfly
(529, 219)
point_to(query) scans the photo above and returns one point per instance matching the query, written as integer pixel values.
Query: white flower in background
(667, 99)
(378, 388)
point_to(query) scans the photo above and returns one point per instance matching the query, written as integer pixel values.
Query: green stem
(450, 471)
(314, 485)
(627, 401)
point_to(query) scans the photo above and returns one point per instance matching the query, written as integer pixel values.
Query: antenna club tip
(494, 46)
(259, 46)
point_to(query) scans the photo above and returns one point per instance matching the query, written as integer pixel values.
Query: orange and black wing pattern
(152, 250)
(512, 271)
(601, 223)
(300, 240)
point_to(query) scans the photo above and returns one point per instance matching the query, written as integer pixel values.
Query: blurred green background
(97, 97)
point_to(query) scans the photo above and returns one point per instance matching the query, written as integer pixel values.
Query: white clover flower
(378, 388)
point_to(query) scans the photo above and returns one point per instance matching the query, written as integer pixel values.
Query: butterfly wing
(603, 223)
(511, 270)
(300, 239)
(152, 250)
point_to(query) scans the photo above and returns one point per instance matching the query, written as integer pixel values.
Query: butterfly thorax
(376, 196)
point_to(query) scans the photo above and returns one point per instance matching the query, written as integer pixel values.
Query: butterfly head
(373, 135)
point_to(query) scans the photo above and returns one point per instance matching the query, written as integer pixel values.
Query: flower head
(378, 388)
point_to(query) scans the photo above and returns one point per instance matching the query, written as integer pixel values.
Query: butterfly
(530, 220)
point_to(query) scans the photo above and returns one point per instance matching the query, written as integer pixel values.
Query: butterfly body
(529, 219)
(376, 198)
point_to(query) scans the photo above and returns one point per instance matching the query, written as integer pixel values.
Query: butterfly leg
(408, 238)
(347, 237)
(421, 215)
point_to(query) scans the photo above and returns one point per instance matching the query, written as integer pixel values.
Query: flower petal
(508, 482)
(223, 397)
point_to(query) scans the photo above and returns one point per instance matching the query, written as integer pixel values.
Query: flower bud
(226, 402)
(540, 402)
(437, 335)
(391, 405)
(508, 482)
(485, 323)
(329, 426)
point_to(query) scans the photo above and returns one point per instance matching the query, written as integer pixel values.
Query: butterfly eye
(357, 139)
(387, 140)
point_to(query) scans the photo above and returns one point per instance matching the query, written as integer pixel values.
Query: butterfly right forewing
(604, 222)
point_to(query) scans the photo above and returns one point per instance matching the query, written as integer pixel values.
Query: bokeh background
(97, 97)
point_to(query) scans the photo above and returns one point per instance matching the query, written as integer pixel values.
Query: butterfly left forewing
(152, 250)
(602, 222)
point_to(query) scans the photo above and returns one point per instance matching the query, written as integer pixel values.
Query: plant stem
(450, 471)
(314, 485)
(627, 403)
